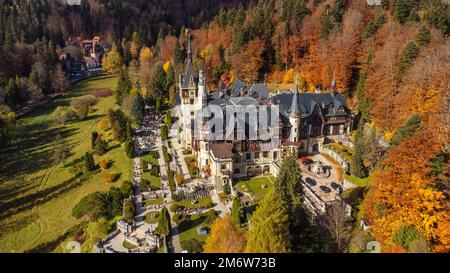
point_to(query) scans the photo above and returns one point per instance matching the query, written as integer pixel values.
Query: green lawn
(150, 217)
(201, 203)
(128, 245)
(188, 229)
(150, 158)
(345, 152)
(157, 201)
(37, 196)
(254, 185)
(361, 182)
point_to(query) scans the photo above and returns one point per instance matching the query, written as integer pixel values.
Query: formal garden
(151, 172)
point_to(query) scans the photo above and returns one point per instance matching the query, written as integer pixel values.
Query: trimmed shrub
(129, 148)
(111, 177)
(104, 164)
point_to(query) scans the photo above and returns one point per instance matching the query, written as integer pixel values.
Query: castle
(305, 122)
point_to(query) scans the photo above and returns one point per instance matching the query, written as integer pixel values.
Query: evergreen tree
(119, 125)
(101, 146)
(179, 54)
(89, 162)
(123, 86)
(407, 57)
(164, 226)
(423, 37)
(404, 10)
(406, 130)
(157, 84)
(288, 188)
(137, 110)
(357, 168)
(236, 211)
(364, 106)
(94, 136)
(373, 26)
(129, 210)
(269, 231)
(170, 78)
(129, 148)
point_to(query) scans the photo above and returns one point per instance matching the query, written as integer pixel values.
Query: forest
(391, 62)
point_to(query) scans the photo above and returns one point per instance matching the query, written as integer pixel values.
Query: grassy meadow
(36, 195)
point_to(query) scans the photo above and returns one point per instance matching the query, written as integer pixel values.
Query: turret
(294, 116)
(294, 111)
(203, 96)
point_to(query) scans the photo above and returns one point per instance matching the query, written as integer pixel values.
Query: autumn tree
(225, 237)
(135, 46)
(334, 224)
(60, 82)
(249, 61)
(145, 64)
(404, 195)
(112, 62)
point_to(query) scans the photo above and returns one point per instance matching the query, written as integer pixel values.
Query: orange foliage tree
(249, 61)
(225, 237)
(404, 194)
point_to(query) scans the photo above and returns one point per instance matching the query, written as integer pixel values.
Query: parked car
(311, 182)
(336, 187)
(325, 189)
(306, 160)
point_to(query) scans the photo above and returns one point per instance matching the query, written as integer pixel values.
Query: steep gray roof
(259, 91)
(295, 108)
(188, 73)
(236, 88)
(330, 105)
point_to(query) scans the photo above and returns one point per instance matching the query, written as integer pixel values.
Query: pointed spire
(294, 111)
(333, 83)
(189, 50)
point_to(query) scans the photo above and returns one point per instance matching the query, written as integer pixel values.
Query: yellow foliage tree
(225, 237)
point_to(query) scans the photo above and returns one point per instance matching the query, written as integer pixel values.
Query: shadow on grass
(35, 199)
(189, 224)
(32, 153)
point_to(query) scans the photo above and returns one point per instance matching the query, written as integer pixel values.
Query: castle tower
(294, 117)
(202, 105)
